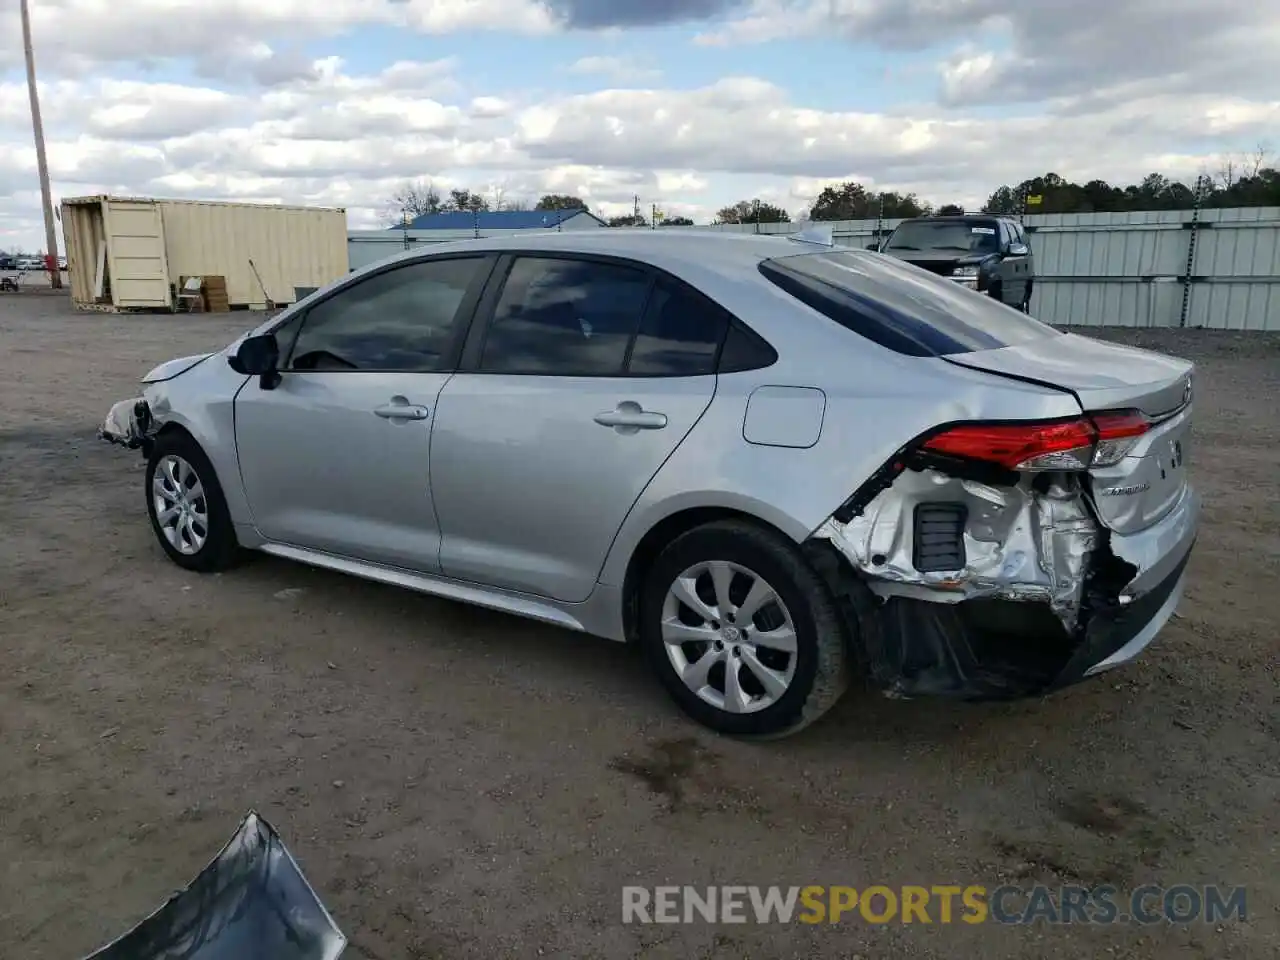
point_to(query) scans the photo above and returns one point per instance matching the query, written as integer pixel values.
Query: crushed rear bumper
(1039, 596)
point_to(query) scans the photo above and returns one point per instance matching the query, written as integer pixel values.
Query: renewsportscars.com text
(972, 904)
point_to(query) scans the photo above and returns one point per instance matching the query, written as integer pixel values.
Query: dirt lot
(458, 783)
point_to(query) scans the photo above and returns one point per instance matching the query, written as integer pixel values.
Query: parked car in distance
(986, 253)
(774, 463)
(30, 263)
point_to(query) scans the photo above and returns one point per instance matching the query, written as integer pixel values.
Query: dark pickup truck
(986, 253)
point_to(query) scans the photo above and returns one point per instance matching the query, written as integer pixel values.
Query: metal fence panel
(1128, 269)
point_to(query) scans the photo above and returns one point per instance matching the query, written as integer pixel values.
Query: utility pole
(42, 166)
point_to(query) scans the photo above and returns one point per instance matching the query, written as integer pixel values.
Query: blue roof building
(573, 219)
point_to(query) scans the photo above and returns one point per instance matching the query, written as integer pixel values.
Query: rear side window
(565, 318)
(679, 337)
(905, 309)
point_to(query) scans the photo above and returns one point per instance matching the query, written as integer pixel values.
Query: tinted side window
(680, 335)
(745, 350)
(900, 307)
(404, 319)
(563, 317)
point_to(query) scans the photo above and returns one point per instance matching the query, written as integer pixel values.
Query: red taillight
(1020, 446)
(1118, 431)
(1057, 445)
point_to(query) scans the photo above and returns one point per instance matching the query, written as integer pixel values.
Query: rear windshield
(901, 307)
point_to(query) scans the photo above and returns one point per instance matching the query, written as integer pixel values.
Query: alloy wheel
(729, 636)
(182, 512)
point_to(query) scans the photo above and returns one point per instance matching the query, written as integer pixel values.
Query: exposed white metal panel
(136, 264)
(84, 237)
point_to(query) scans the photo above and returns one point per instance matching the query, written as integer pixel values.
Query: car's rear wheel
(742, 632)
(187, 509)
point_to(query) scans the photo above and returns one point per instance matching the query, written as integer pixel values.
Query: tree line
(1239, 182)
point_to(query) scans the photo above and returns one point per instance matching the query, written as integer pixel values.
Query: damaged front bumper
(129, 423)
(994, 591)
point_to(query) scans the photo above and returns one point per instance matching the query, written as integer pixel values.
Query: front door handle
(401, 409)
(629, 416)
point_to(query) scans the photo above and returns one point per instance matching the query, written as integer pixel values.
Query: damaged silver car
(774, 463)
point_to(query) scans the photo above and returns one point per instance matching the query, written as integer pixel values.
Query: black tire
(996, 292)
(220, 549)
(822, 660)
(1026, 299)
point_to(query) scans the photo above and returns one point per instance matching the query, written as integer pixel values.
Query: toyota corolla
(774, 463)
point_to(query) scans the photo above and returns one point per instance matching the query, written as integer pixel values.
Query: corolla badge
(1126, 491)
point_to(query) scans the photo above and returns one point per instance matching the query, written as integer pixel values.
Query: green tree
(561, 201)
(752, 211)
(675, 222)
(463, 199)
(852, 201)
(628, 220)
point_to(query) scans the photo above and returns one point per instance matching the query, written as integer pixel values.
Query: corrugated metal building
(129, 253)
(1216, 268)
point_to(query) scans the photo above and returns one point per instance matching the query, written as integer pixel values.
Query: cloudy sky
(690, 104)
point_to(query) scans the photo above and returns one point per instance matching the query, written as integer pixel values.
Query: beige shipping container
(129, 253)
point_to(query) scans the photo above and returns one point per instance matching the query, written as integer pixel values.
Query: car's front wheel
(188, 511)
(742, 632)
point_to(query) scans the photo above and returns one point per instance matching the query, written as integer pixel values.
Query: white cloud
(1115, 90)
(75, 35)
(618, 69)
(1032, 49)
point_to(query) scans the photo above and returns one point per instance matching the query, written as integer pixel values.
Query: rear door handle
(628, 417)
(401, 411)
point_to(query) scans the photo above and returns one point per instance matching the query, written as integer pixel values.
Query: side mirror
(1018, 250)
(257, 356)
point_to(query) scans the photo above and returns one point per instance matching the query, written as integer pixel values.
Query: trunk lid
(1151, 479)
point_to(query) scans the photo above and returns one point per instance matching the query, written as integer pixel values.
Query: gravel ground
(458, 783)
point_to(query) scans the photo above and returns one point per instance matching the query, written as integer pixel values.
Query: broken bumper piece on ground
(128, 423)
(1003, 591)
(250, 903)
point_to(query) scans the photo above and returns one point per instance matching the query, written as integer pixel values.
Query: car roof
(679, 252)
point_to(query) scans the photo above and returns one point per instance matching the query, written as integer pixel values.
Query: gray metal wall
(1131, 269)
(1139, 269)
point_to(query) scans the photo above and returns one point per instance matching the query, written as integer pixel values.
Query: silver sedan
(774, 463)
